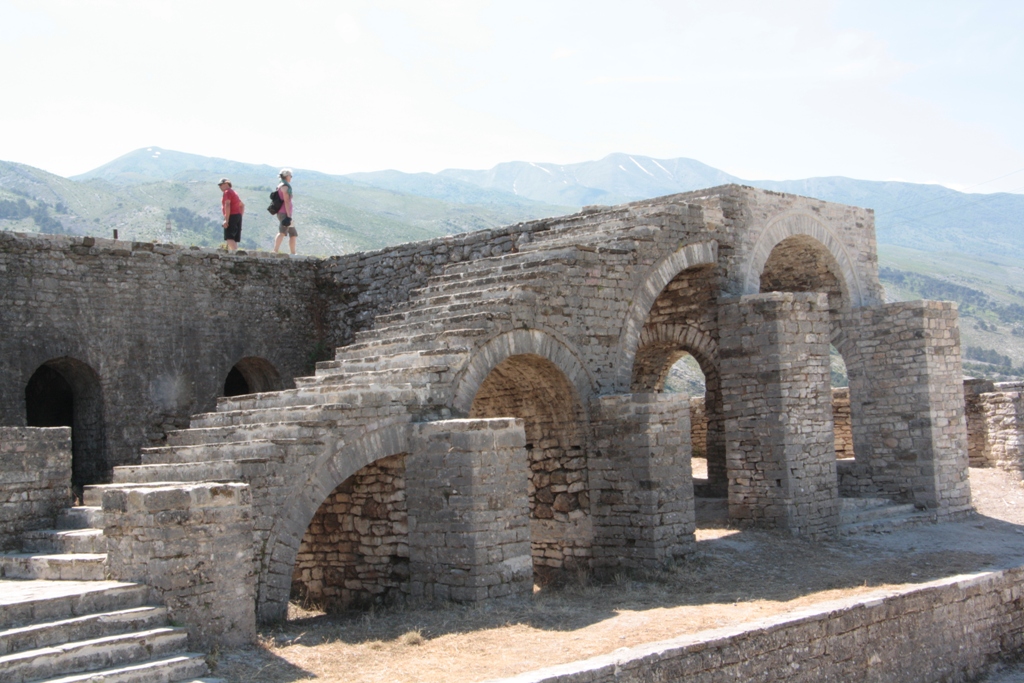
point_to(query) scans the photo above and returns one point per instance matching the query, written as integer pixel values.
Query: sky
(921, 91)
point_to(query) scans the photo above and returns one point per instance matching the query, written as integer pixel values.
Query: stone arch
(333, 467)
(66, 392)
(797, 224)
(670, 341)
(252, 375)
(534, 389)
(657, 278)
(514, 343)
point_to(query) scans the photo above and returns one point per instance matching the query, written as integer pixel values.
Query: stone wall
(995, 420)
(192, 545)
(35, 480)
(146, 333)
(356, 550)
(947, 630)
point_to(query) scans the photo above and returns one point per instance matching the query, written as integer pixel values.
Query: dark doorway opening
(65, 392)
(252, 375)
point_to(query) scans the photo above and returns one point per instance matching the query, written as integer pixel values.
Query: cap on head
(285, 172)
(224, 180)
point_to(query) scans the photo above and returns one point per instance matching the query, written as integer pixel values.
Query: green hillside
(161, 195)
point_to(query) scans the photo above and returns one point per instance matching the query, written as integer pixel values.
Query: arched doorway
(355, 552)
(252, 375)
(679, 337)
(533, 388)
(65, 392)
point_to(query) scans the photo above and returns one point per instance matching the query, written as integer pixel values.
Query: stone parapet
(947, 630)
(35, 479)
(192, 544)
(776, 399)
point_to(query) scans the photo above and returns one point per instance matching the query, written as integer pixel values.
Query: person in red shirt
(232, 207)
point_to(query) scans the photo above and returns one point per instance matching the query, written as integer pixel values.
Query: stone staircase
(62, 621)
(877, 515)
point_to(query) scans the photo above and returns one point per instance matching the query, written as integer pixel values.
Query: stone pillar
(35, 480)
(192, 545)
(777, 404)
(469, 519)
(907, 402)
(640, 479)
(1002, 417)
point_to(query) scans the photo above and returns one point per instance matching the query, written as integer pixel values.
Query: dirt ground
(735, 576)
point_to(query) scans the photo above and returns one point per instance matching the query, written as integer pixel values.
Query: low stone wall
(192, 545)
(946, 630)
(35, 479)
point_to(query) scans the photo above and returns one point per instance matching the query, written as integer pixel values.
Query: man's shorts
(286, 227)
(234, 229)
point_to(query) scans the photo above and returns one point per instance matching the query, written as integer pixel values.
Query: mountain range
(934, 242)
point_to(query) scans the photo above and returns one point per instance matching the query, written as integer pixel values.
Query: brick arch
(794, 224)
(657, 278)
(336, 464)
(516, 343)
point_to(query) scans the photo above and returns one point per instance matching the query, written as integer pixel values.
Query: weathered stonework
(515, 373)
(777, 406)
(947, 630)
(35, 480)
(193, 546)
(995, 424)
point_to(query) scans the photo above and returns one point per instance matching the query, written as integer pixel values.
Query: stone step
(430, 339)
(81, 517)
(215, 449)
(359, 396)
(297, 413)
(23, 603)
(56, 567)
(180, 472)
(401, 359)
(237, 435)
(173, 668)
(424, 374)
(467, 285)
(90, 626)
(64, 541)
(90, 655)
(512, 297)
(483, 320)
(536, 258)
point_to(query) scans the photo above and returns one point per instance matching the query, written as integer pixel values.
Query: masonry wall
(948, 630)
(35, 480)
(356, 550)
(192, 545)
(907, 403)
(995, 422)
(160, 326)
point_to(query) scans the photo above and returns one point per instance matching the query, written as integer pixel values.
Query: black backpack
(275, 202)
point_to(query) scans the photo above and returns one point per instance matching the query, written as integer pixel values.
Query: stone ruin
(493, 413)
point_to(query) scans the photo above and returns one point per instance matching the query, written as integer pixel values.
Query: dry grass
(734, 577)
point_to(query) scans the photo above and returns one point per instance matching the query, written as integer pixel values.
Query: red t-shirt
(231, 202)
